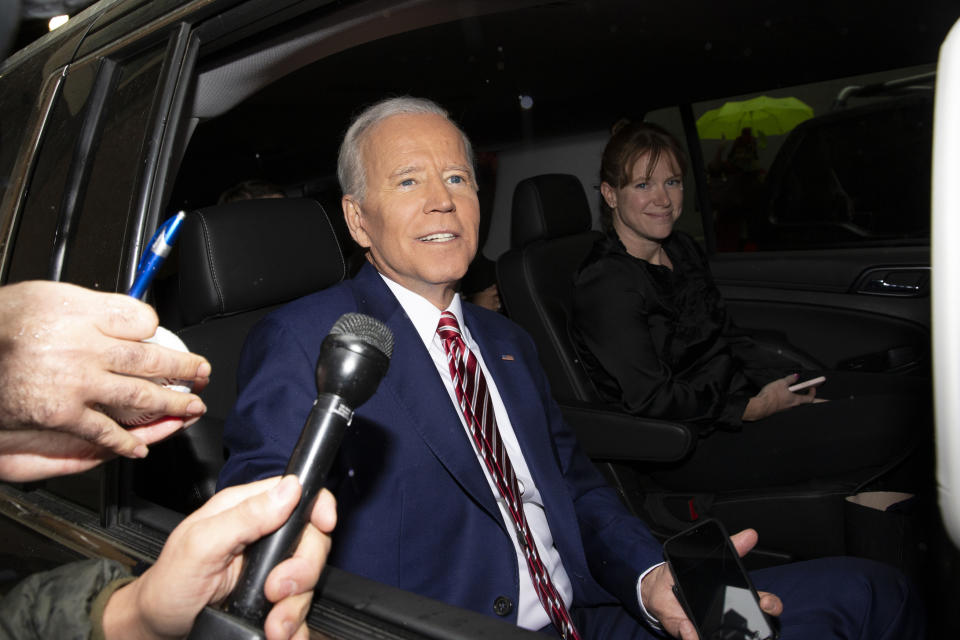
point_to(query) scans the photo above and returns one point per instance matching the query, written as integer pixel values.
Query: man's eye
(456, 179)
(407, 183)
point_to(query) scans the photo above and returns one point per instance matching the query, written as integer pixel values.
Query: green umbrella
(770, 116)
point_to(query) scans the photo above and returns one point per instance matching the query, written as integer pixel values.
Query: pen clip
(163, 232)
(156, 252)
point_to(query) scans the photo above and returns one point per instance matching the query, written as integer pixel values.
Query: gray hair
(350, 168)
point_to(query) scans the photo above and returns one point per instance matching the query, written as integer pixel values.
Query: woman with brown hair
(654, 334)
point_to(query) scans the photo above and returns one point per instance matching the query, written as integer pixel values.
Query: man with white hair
(459, 478)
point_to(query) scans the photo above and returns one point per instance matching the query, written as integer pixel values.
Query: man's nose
(439, 197)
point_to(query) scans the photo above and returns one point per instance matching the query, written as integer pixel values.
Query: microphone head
(354, 357)
(367, 329)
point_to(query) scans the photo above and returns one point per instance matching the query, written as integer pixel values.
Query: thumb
(744, 541)
(243, 523)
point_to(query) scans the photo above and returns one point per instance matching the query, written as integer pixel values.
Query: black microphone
(353, 359)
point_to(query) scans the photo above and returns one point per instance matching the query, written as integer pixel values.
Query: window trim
(81, 164)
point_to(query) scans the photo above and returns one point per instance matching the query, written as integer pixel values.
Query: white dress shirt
(425, 318)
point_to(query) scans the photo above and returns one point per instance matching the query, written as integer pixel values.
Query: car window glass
(45, 192)
(95, 251)
(10, 112)
(17, 103)
(852, 169)
(90, 154)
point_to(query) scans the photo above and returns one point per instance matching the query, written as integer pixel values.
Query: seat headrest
(548, 206)
(251, 254)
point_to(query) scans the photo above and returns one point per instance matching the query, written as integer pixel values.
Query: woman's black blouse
(653, 338)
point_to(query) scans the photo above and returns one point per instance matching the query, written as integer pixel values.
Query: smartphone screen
(713, 586)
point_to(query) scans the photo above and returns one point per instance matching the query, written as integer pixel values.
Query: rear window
(860, 173)
(854, 170)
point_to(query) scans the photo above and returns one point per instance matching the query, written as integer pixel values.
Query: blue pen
(160, 245)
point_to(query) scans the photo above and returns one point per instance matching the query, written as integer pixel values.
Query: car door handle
(913, 282)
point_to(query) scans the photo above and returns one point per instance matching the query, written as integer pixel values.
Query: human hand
(776, 396)
(66, 350)
(201, 561)
(656, 591)
(29, 455)
(488, 298)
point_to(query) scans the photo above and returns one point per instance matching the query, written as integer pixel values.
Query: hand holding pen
(153, 258)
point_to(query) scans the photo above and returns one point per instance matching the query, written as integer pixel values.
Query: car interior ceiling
(540, 45)
(292, 89)
(244, 69)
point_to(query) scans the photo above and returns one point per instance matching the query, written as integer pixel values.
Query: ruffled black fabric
(655, 339)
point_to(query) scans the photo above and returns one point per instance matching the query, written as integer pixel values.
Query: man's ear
(353, 216)
(609, 194)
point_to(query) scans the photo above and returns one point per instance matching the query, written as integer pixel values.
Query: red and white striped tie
(474, 399)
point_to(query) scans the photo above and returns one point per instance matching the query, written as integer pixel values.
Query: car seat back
(550, 236)
(237, 262)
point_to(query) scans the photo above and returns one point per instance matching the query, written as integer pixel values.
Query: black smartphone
(713, 587)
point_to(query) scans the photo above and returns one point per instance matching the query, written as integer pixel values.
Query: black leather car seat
(550, 236)
(237, 262)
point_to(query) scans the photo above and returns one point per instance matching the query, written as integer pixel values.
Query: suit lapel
(519, 394)
(415, 387)
(508, 363)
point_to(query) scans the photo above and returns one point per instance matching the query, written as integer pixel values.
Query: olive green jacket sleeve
(65, 603)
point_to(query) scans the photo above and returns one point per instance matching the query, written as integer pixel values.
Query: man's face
(420, 216)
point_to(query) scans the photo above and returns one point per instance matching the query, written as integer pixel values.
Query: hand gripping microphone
(353, 359)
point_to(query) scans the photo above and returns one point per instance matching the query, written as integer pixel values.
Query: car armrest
(609, 434)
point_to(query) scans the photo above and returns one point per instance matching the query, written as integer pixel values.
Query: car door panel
(829, 303)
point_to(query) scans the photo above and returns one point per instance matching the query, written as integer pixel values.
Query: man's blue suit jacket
(414, 507)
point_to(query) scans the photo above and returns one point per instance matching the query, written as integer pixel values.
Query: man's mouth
(437, 237)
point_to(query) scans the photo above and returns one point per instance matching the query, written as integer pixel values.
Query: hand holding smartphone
(713, 587)
(806, 384)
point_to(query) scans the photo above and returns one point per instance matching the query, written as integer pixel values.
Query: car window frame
(113, 503)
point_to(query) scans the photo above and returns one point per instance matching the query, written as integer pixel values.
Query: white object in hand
(133, 418)
(812, 382)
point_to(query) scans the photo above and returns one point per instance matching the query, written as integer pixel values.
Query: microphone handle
(310, 462)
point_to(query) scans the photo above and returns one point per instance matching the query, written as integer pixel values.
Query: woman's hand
(775, 396)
